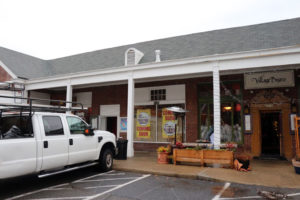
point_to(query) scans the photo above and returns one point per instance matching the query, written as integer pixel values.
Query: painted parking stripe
(102, 186)
(102, 174)
(116, 174)
(118, 187)
(107, 179)
(56, 186)
(60, 198)
(63, 188)
(217, 197)
(34, 192)
(292, 195)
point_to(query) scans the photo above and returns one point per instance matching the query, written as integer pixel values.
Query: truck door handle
(100, 139)
(45, 144)
(71, 141)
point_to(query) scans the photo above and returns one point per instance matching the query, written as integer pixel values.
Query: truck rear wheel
(106, 160)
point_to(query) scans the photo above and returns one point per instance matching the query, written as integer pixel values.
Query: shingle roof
(239, 39)
(23, 65)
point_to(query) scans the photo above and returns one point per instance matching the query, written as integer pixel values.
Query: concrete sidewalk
(272, 173)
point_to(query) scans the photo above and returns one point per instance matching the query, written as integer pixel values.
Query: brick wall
(4, 76)
(147, 146)
(115, 94)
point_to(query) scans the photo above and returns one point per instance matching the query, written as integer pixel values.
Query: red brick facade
(115, 94)
(4, 76)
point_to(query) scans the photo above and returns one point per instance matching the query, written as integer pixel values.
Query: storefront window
(231, 112)
(231, 122)
(157, 124)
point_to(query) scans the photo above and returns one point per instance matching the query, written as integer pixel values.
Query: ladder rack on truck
(30, 107)
(24, 112)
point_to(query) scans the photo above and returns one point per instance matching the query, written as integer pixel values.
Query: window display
(156, 124)
(231, 112)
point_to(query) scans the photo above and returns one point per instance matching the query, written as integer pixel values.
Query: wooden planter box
(187, 155)
(218, 157)
(203, 156)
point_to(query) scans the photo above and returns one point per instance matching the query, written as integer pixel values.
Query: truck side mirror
(88, 131)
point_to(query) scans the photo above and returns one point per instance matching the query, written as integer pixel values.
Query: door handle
(70, 141)
(45, 144)
(100, 139)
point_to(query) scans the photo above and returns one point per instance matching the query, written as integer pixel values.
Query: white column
(217, 107)
(130, 117)
(69, 96)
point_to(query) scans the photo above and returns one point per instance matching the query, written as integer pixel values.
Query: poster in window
(168, 123)
(143, 128)
(123, 124)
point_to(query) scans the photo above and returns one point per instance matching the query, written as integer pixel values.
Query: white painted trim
(197, 65)
(69, 96)
(217, 107)
(151, 142)
(130, 117)
(8, 70)
(138, 55)
(160, 103)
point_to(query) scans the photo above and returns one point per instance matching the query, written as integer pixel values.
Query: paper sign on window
(143, 128)
(168, 123)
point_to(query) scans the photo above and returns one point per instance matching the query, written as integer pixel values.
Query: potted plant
(162, 155)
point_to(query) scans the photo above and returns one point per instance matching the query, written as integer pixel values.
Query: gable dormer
(133, 56)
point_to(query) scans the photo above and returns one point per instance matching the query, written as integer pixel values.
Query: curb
(195, 177)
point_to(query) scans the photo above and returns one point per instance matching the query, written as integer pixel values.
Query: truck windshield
(12, 127)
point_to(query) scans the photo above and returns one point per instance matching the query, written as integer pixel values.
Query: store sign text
(269, 79)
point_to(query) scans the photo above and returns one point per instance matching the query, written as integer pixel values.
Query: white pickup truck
(47, 143)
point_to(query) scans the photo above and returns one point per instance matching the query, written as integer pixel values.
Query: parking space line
(116, 174)
(36, 191)
(102, 174)
(217, 197)
(58, 198)
(118, 187)
(103, 186)
(292, 195)
(58, 189)
(56, 186)
(107, 179)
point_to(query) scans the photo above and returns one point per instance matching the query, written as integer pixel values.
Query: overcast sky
(50, 29)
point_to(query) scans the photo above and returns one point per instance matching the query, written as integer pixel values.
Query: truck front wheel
(106, 160)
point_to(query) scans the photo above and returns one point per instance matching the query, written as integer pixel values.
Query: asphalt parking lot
(88, 184)
(88, 188)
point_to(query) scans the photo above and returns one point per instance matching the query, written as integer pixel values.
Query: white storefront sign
(269, 79)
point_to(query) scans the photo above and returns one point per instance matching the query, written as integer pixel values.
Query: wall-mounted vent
(133, 56)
